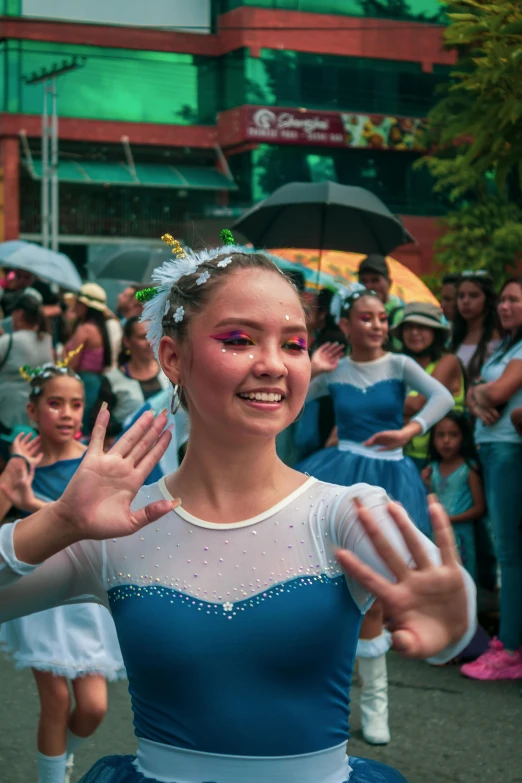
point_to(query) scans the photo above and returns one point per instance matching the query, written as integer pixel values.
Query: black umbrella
(323, 216)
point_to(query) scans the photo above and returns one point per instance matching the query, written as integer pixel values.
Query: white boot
(374, 700)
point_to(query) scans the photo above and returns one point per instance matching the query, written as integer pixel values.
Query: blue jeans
(464, 533)
(502, 466)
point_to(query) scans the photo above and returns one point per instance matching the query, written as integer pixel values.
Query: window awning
(150, 175)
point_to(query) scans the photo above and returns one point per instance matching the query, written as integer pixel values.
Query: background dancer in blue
(69, 643)
(237, 624)
(368, 390)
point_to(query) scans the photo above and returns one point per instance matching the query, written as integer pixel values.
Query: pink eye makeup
(297, 344)
(235, 338)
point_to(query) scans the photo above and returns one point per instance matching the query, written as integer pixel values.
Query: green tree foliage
(476, 129)
(486, 234)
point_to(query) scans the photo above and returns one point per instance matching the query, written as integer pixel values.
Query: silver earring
(176, 398)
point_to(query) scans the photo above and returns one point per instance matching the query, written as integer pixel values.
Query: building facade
(180, 115)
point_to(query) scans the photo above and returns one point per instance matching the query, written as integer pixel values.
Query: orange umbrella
(343, 267)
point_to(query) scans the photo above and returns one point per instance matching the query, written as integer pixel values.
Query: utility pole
(49, 208)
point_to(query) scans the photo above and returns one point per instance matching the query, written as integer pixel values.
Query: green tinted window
(285, 78)
(421, 10)
(116, 84)
(390, 175)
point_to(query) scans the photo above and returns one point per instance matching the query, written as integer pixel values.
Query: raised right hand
(97, 501)
(326, 358)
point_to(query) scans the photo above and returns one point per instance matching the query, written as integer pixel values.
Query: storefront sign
(332, 129)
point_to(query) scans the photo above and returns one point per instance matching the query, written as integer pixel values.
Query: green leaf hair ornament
(146, 295)
(227, 237)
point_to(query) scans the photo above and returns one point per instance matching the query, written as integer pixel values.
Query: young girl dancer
(76, 643)
(368, 390)
(235, 598)
(454, 476)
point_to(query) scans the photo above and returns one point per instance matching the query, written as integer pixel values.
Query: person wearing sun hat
(96, 335)
(423, 333)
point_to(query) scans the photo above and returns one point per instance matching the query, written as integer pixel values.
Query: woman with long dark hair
(475, 333)
(492, 400)
(91, 339)
(136, 378)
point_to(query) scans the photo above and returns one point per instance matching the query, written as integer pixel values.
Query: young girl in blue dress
(454, 476)
(75, 643)
(237, 618)
(368, 390)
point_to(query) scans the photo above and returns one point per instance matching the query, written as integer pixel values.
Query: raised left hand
(428, 603)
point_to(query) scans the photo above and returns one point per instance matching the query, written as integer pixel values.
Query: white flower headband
(157, 304)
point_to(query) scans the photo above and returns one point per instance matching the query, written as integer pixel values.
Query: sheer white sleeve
(74, 575)
(318, 387)
(439, 400)
(347, 532)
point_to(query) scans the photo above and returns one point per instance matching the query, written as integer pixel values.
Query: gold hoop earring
(176, 398)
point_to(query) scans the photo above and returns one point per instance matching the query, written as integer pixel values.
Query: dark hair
(98, 318)
(510, 340)
(33, 313)
(451, 278)
(490, 324)
(350, 301)
(297, 278)
(47, 374)
(128, 331)
(186, 293)
(467, 449)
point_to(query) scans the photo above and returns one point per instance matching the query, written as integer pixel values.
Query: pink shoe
(495, 664)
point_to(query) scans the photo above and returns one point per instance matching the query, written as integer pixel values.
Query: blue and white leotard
(369, 397)
(238, 640)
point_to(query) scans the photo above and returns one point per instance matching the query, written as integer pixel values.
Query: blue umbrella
(46, 264)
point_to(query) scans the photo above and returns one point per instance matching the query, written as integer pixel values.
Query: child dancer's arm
(16, 480)
(478, 509)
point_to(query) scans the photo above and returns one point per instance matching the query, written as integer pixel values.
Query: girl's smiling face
(58, 409)
(244, 365)
(366, 326)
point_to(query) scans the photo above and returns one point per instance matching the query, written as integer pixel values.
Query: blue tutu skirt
(121, 769)
(399, 478)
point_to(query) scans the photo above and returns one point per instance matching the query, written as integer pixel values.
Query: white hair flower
(204, 276)
(178, 315)
(224, 262)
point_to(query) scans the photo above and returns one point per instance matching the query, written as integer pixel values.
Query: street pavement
(445, 729)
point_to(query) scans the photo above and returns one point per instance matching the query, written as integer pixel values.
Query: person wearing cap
(92, 335)
(423, 333)
(374, 274)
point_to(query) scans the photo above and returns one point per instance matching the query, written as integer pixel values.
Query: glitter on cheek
(251, 356)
